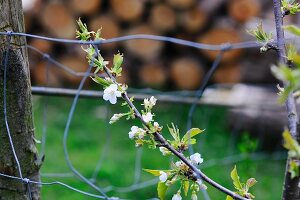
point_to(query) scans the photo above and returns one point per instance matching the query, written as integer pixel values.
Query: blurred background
(239, 110)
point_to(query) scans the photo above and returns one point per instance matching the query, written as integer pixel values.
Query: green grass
(90, 132)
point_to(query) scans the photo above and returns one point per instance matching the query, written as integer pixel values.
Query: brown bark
(186, 73)
(19, 109)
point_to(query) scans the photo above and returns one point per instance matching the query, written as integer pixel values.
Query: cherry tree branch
(290, 188)
(163, 142)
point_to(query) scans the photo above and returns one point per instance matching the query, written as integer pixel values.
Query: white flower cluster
(149, 103)
(196, 158)
(148, 117)
(115, 118)
(136, 132)
(111, 93)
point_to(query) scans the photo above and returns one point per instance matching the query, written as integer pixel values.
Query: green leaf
(292, 29)
(236, 179)
(191, 133)
(174, 131)
(290, 143)
(118, 60)
(101, 81)
(155, 172)
(294, 169)
(229, 198)
(161, 190)
(185, 185)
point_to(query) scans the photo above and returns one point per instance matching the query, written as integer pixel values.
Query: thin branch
(197, 173)
(290, 189)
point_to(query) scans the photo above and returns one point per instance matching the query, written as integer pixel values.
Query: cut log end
(219, 36)
(193, 20)
(243, 10)
(145, 49)
(186, 73)
(153, 75)
(162, 18)
(58, 20)
(228, 73)
(84, 7)
(129, 10)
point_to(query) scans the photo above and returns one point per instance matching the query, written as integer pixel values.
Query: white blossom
(152, 101)
(115, 118)
(179, 164)
(147, 117)
(163, 176)
(133, 132)
(111, 93)
(164, 151)
(194, 196)
(176, 197)
(141, 133)
(149, 103)
(196, 158)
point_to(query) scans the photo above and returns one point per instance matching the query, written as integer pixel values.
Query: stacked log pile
(149, 63)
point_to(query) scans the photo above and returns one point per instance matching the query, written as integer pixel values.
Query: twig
(290, 189)
(197, 173)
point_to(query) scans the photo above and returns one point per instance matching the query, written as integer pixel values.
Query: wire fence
(137, 183)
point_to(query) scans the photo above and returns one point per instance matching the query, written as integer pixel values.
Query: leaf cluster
(241, 188)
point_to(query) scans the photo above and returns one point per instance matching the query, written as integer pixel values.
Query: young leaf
(291, 144)
(161, 190)
(292, 29)
(155, 172)
(174, 131)
(191, 133)
(185, 185)
(229, 198)
(236, 179)
(101, 81)
(293, 169)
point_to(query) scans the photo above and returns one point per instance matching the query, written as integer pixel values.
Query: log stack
(148, 63)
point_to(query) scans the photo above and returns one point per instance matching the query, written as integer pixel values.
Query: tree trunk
(19, 110)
